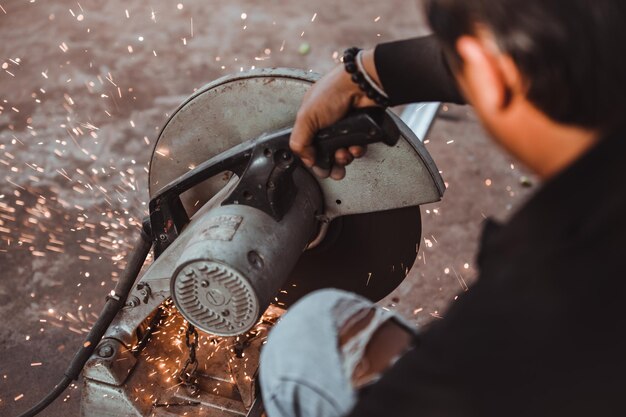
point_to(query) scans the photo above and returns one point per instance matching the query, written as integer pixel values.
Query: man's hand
(325, 103)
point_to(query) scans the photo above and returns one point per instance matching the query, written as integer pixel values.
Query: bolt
(255, 259)
(284, 158)
(163, 237)
(204, 283)
(225, 313)
(193, 389)
(106, 351)
(132, 302)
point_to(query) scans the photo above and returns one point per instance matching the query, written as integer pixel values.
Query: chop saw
(239, 230)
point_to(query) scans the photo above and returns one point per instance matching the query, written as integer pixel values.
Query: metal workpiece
(419, 117)
(236, 263)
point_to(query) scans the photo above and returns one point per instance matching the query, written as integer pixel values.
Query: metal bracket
(267, 183)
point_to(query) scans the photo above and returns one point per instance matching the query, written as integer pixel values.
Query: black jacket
(543, 330)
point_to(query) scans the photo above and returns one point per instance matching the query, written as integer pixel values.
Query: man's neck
(545, 146)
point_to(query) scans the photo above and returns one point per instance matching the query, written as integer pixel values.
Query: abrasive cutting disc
(375, 230)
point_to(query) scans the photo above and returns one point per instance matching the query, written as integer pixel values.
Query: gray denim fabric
(302, 372)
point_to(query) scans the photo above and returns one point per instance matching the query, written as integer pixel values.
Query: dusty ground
(85, 86)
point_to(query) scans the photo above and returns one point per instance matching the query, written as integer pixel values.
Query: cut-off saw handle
(359, 128)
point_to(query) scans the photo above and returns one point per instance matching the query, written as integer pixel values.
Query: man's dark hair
(572, 53)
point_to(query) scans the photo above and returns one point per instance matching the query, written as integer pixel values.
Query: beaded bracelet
(357, 76)
(374, 84)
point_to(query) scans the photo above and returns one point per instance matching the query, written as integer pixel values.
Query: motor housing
(233, 267)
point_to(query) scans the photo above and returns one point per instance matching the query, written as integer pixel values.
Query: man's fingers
(321, 173)
(301, 140)
(343, 157)
(327, 101)
(337, 172)
(357, 151)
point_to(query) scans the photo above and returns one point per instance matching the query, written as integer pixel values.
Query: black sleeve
(454, 365)
(427, 381)
(414, 70)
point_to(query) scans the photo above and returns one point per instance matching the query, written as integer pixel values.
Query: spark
(461, 280)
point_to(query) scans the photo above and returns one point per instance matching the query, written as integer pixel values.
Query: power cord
(115, 301)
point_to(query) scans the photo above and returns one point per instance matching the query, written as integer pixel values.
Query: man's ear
(484, 74)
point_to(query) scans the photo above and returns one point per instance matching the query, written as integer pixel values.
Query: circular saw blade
(367, 253)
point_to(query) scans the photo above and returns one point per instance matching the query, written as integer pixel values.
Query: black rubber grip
(359, 128)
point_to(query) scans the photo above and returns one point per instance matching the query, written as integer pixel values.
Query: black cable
(113, 305)
(48, 399)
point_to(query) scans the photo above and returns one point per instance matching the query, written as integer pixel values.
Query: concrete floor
(84, 88)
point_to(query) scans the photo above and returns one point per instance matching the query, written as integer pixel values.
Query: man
(543, 330)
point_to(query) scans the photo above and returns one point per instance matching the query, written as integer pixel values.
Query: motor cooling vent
(215, 298)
